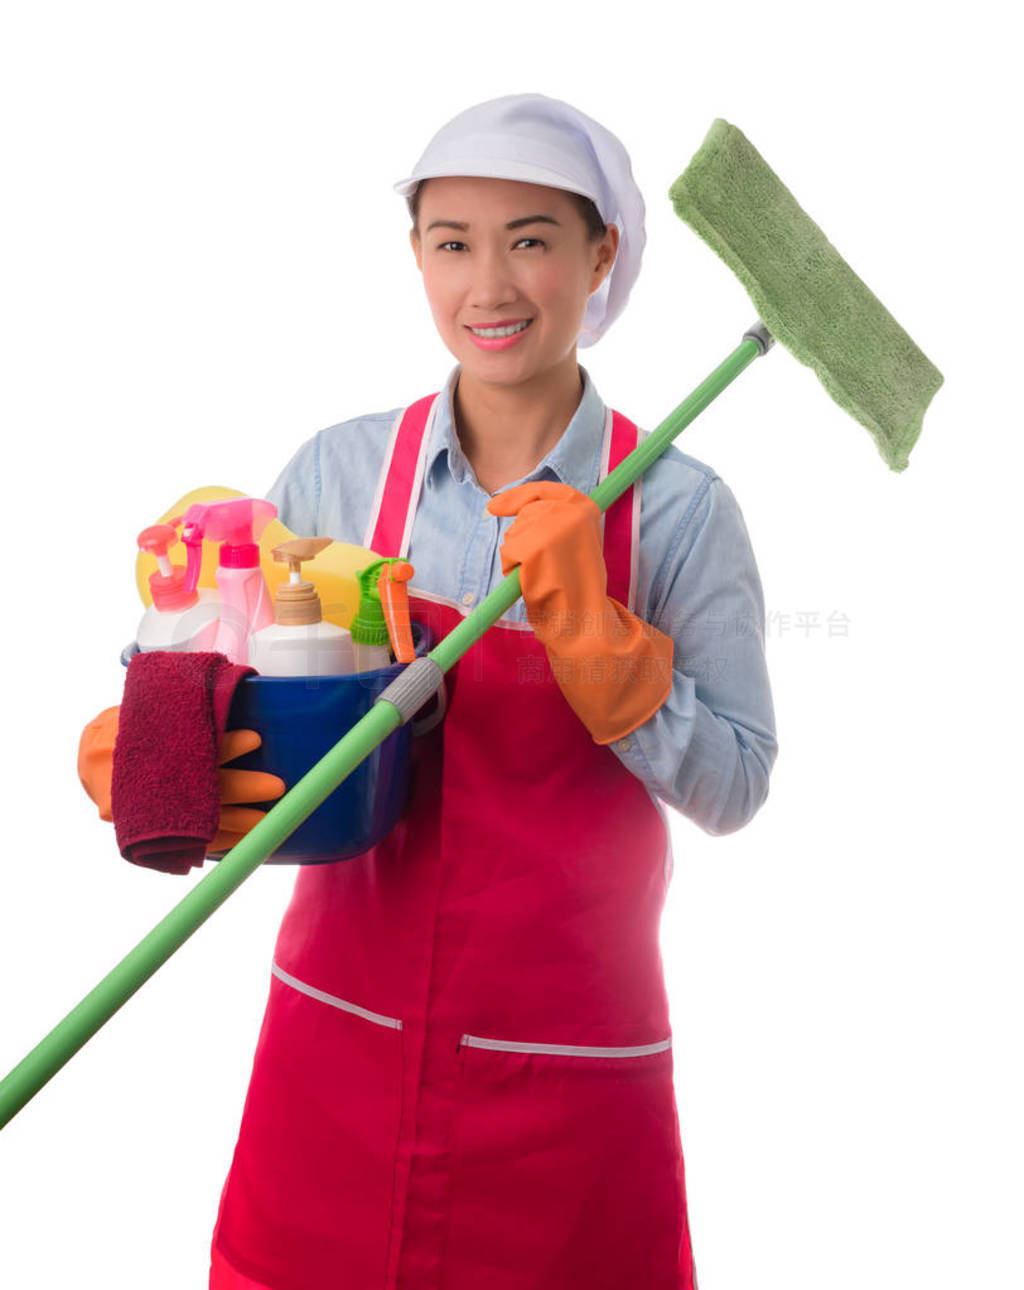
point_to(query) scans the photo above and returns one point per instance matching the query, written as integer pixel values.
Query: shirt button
(624, 745)
(468, 597)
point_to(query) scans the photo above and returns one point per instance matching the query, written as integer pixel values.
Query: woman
(464, 1074)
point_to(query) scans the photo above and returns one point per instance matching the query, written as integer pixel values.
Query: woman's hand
(614, 668)
(556, 541)
(238, 786)
(96, 769)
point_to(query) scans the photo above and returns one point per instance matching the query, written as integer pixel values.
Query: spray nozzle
(157, 540)
(169, 585)
(383, 613)
(194, 546)
(236, 524)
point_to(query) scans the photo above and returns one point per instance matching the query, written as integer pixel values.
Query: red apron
(463, 1080)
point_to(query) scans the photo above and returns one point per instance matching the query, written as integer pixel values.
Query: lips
(509, 322)
(493, 343)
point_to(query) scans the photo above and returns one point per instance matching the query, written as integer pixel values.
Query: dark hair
(596, 227)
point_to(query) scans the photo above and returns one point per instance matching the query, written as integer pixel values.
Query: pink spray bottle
(183, 616)
(245, 606)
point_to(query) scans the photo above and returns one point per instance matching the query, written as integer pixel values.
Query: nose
(492, 281)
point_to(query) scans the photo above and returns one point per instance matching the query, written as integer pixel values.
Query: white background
(204, 263)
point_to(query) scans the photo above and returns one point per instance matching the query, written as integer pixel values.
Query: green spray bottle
(382, 618)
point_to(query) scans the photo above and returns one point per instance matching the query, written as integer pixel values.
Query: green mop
(810, 300)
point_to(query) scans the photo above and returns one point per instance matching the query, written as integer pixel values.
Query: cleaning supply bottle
(182, 617)
(333, 570)
(383, 615)
(245, 599)
(299, 642)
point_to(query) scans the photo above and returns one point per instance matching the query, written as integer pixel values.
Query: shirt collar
(574, 460)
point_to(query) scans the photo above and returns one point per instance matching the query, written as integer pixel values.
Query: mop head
(805, 292)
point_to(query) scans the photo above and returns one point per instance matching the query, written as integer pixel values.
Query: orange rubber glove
(614, 668)
(96, 769)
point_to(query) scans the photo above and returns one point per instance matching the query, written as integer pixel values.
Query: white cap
(540, 140)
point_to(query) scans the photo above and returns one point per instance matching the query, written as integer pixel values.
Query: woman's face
(485, 273)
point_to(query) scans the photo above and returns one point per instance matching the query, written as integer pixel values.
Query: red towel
(165, 790)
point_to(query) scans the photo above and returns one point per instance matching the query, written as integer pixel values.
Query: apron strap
(389, 529)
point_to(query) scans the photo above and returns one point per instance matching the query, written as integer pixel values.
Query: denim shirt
(709, 749)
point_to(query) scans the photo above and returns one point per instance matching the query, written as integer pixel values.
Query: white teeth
(492, 332)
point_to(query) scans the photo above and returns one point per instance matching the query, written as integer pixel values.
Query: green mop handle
(414, 686)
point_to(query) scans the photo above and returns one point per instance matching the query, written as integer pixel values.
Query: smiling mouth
(502, 330)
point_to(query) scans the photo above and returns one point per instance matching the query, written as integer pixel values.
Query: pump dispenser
(245, 599)
(383, 615)
(181, 617)
(299, 642)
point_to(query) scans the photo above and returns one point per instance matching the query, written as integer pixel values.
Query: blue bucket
(300, 719)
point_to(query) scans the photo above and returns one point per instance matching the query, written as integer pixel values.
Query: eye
(442, 245)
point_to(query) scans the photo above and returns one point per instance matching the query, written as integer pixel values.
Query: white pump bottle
(299, 642)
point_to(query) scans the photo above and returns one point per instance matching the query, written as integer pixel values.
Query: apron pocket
(566, 1170)
(307, 1203)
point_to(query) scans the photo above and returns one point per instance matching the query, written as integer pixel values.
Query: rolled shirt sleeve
(709, 749)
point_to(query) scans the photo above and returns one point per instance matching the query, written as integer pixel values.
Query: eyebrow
(515, 223)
